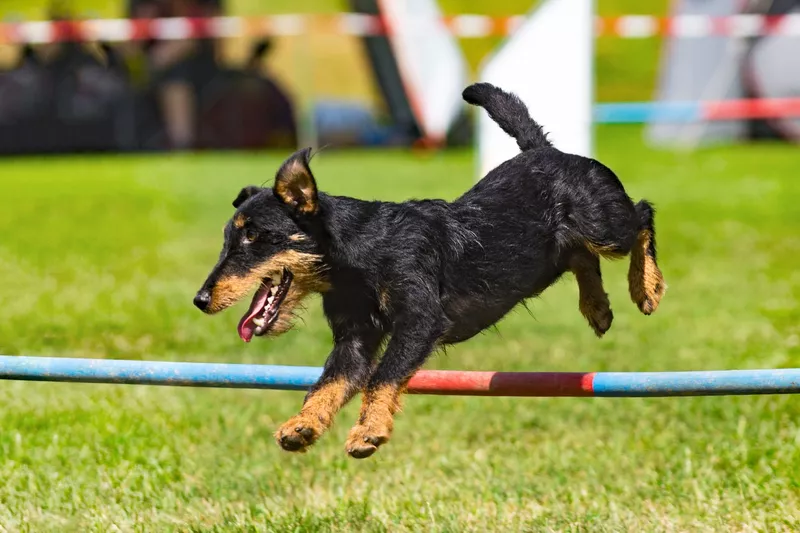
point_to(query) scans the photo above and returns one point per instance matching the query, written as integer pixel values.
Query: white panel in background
(430, 60)
(548, 63)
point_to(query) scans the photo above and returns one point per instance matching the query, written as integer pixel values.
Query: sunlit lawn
(100, 257)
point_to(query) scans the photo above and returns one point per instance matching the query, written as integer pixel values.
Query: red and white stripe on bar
(464, 26)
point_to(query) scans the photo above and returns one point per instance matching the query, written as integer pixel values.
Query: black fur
(425, 273)
(510, 114)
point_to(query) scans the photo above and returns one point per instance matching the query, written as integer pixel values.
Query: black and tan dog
(417, 275)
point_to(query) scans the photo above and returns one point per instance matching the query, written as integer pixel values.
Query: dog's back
(579, 198)
(540, 214)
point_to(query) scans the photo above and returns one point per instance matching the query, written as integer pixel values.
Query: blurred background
(125, 140)
(154, 75)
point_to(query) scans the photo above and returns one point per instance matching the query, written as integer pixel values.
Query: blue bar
(709, 383)
(605, 384)
(642, 112)
(158, 373)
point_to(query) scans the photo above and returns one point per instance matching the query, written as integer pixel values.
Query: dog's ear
(295, 185)
(245, 193)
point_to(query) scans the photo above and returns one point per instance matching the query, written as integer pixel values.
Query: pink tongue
(246, 325)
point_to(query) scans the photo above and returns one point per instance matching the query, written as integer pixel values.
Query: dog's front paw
(300, 432)
(364, 440)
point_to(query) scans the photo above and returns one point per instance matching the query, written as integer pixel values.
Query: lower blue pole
(158, 373)
(609, 384)
(701, 383)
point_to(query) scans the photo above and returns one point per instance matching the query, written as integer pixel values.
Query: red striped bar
(464, 26)
(531, 384)
(750, 109)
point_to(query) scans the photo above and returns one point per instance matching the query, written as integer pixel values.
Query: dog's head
(266, 249)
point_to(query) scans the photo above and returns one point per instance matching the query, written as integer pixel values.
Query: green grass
(100, 257)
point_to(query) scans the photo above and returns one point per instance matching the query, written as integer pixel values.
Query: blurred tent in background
(415, 76)
(73, 96)
(724, 67)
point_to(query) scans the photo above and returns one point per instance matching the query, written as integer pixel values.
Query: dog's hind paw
(645, 280)
(647, 298)
(597, 313)
(299, 433)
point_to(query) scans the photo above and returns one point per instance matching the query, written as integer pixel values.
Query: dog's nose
(202, 299)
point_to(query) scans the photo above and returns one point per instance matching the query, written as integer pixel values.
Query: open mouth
(265, 307)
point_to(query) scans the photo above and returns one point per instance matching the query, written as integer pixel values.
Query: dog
(408, 278)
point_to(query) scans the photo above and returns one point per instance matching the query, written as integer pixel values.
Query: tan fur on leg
(593, 302)
(376, 421)
(315, 417)
(645, 281)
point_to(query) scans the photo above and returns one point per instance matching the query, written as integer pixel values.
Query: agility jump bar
(356, 24)
(437, 382)
(688, 112)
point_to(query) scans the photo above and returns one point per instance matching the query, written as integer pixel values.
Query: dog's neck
(338, 230)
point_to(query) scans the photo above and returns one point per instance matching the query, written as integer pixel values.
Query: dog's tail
(510, 114)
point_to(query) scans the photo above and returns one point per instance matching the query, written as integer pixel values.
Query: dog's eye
(249, 237)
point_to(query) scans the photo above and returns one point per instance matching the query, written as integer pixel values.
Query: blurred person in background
(177, 70)
(245, 108)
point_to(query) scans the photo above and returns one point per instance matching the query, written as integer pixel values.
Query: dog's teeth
(273, 290)
(270, 298)
(259, 322)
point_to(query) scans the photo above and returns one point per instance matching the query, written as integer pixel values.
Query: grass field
(101, 256)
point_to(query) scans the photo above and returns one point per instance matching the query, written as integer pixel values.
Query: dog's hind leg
(593, 300)
(645, 281)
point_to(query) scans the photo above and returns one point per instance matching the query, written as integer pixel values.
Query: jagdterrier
(425, 273)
